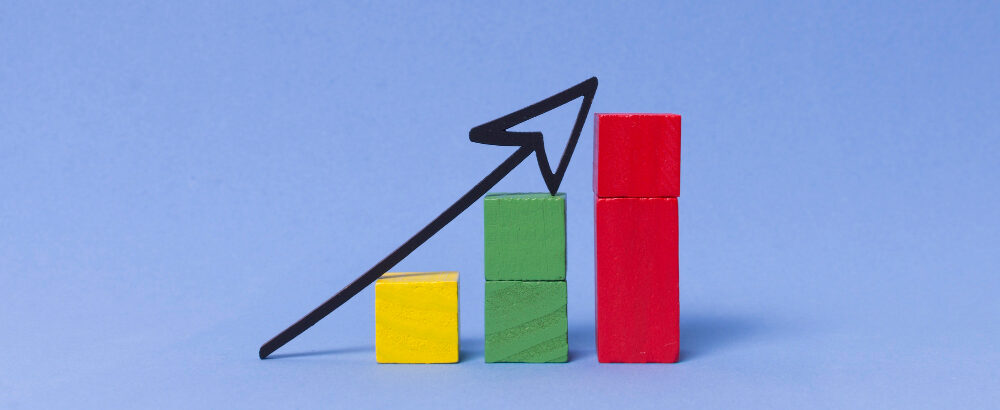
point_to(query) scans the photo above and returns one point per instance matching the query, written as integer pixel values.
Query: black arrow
(493, 133)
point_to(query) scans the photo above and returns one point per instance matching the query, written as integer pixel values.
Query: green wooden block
(526, 322)
(525, 236)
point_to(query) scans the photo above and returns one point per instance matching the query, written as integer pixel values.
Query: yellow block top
(417, 277)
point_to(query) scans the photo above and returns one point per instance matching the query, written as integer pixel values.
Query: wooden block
(525, 236)
(416, 317)
(636, 280)
(526, 321)
(637, 155)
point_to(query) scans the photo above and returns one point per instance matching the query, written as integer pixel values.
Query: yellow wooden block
(416, 317)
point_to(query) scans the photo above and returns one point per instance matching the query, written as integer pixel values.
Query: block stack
(525, 265)
(636, 185)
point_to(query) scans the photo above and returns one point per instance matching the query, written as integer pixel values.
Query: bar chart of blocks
(636, 183)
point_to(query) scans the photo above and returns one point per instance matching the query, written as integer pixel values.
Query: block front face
(637, 155)
(416, 317)
(525, 236)
(636, 280)
(526, 322)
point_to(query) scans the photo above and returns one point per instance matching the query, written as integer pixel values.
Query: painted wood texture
(416, 317)
(526, 321)
(525, 236)
(636, 280)
(637, 155)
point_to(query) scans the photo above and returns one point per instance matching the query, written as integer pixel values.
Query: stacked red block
(636, 185)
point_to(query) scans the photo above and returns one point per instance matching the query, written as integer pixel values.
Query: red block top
(637, 155)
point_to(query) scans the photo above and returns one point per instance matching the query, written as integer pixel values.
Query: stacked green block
(525, 236)
(525, 255)
(526, 321)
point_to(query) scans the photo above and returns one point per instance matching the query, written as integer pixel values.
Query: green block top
(561, 196)
(525, 236)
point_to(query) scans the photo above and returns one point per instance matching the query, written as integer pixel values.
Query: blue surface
(179, 182)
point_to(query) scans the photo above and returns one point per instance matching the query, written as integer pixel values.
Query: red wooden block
(637, 155)
(636, 279)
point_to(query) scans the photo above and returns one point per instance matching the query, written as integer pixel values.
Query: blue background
(180, 181)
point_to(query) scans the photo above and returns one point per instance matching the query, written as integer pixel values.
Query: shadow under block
(525, 236)
(637, 155)
(526, 322)
(416, 317)
(636, 280)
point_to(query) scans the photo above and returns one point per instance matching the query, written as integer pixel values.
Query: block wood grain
(637, 155)
(526, 321)
(525, 236)
(636, 280)
(416, 317)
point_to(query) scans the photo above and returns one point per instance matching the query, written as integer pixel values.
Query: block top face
(525, 236)
(392, 278)
(561, 196)
(637, 155)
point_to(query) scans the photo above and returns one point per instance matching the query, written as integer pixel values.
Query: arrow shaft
(397, 255)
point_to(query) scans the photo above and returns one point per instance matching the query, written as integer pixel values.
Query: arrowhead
(496, 132)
